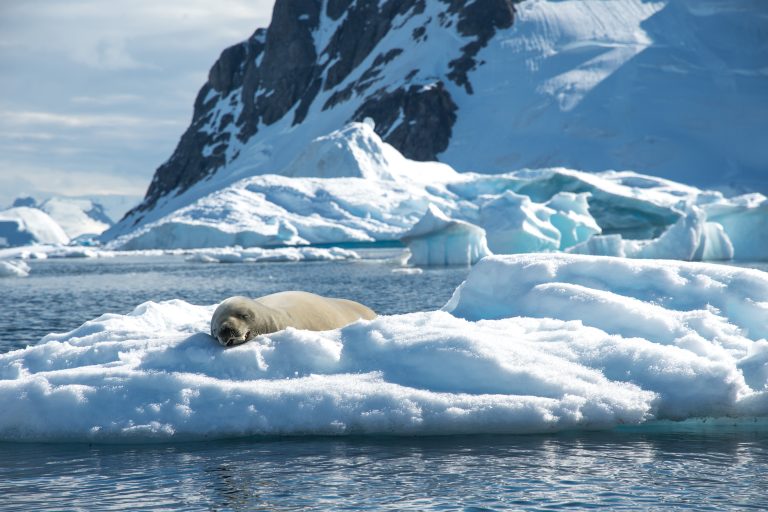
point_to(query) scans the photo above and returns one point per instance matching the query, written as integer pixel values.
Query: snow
(350, 186)
(595, 85)
(439, 240)
(529, 343)
(22, 225)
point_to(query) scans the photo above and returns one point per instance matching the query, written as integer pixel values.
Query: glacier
(529, 343)
(351, 187)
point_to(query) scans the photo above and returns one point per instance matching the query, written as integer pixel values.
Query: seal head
(240, 319)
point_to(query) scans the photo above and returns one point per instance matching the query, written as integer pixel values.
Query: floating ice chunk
(437, 239)
(25, 226)
(680, 242)
(13, 268)
(572, 218)
(514, 224)
(745, 220)
(154, 374)
(601, 245)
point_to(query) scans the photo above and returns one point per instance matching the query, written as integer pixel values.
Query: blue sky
(95, 94)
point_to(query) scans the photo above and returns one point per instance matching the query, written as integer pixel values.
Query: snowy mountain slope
(77, 217)
(674, 88)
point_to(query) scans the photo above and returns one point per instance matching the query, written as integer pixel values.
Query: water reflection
(616, 470)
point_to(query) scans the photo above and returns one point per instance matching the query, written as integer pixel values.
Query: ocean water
(709, 469)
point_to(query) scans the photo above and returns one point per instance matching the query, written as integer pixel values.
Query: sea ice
(529, 343)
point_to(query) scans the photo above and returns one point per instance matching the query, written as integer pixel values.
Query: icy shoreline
(532, 344)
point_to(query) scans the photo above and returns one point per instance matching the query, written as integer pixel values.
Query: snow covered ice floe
(529, 343)
(350, 186)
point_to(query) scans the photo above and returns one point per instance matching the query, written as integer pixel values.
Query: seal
(239, 319)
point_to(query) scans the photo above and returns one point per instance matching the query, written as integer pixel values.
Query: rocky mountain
(675, 88)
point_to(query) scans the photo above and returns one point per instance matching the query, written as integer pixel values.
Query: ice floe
(529, 343)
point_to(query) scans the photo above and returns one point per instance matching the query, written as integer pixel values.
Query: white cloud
(82, 120)
(94, 95)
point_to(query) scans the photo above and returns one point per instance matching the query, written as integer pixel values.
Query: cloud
(94, 95)
(113, 35)
(44, 181)
(81, 120)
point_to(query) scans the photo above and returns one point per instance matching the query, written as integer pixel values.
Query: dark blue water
(618, 470)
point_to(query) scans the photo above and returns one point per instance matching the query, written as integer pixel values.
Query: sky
(94, 94)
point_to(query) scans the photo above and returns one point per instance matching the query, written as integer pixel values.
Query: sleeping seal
(238, 319)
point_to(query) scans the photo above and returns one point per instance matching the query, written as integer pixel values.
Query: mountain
(672, 88)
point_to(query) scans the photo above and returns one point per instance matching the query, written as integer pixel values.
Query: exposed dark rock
(424, 117)
(479, 19)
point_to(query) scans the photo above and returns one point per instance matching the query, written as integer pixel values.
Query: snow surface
(529, 343)
(369, 192)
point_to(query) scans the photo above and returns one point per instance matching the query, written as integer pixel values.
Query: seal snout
(229, 336)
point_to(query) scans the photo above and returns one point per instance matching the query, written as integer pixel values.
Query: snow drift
(529, 343)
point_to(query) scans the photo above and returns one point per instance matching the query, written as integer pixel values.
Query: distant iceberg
(22, 225)
(529, 343)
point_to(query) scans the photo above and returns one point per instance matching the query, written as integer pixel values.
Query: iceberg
(350, 187)
(22, 225)
(528, 343)
(514, 224)
(439, 240)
